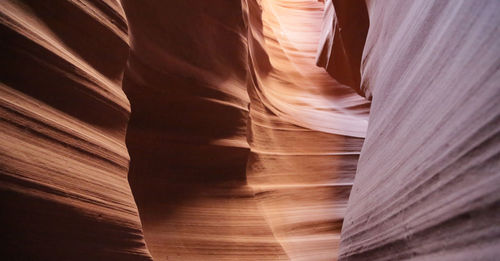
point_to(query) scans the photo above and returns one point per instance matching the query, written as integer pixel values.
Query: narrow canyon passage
(305, 130)
(188, 132)
(250, 130)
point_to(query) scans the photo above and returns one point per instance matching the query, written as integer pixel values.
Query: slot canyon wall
(428, 180)
(205, 130)
(63, 161)
(198, 196)
(305, 130)
(186, 81)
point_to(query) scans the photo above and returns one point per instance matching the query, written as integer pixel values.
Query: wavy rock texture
(186, 80)
(241, 148)
(63, 161)
(187, 135)
(283, 40)
(305, 130)
(302, 179)
(427, 185)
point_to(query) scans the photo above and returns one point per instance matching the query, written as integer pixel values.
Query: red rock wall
(427, 184)
(186, 81)
(241, 148)
(203, 191)
(63, 162)
(305, 130)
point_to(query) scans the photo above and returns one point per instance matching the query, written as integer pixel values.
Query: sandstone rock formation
(205, 130)
(63, 161)
(305, 130)
(428, 179)
(186, 81)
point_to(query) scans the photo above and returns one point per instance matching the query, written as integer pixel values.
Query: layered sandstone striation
(305, 130)
(63, 161)
(427, 185)
(186, 80)
(197, 195)
(206, 130)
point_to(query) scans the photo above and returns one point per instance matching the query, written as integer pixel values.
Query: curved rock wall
(63, 162)
(427, 185)
(301, 179)
(240, 147)
(305, 130)
(186, 81)
(283, 39)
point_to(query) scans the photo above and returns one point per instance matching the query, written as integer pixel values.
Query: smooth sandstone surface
(63, 162)
(205, 130)
(305, 130)
(198, 196)
(283, 40)
(428, 181)
(186, 80)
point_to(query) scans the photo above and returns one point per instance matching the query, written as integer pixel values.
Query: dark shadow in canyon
(186, 82)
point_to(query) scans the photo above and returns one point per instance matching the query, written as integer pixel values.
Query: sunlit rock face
(63, 162)
(427, 185)
(301, 179)
(305, 130)
(283, 40)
